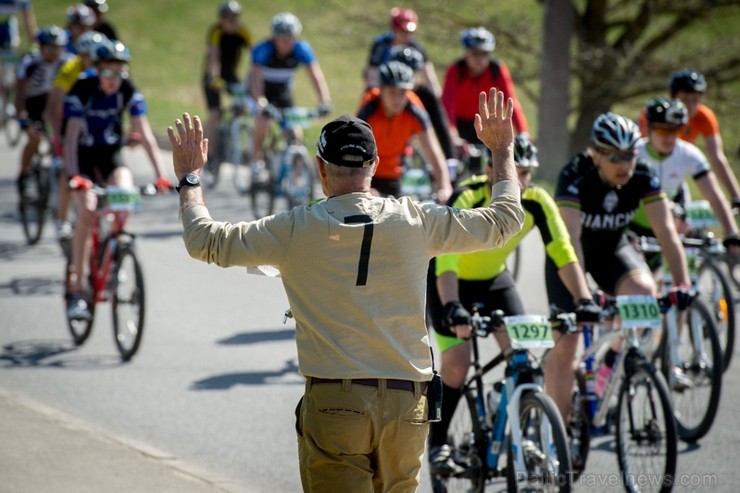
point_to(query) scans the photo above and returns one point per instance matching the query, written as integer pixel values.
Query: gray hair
(336, 171)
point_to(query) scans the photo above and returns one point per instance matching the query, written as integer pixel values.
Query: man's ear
(321, 167)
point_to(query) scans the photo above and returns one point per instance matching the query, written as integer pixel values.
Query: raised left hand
(189, 148)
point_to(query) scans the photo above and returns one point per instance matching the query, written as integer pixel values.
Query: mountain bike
(115, 272)
(523, 423)
(38, 192)
(8, 115)
(646, 436)
(290, 172)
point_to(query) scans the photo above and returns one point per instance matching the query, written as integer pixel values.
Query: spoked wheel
(544, 448)
(646, 430)
(700, 357)
(79, 329)
(579, 427)
(34, 200)
(127, 298)
(468, 445)
(716, 291)
(299, 182)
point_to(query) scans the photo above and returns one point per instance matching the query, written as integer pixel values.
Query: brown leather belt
(390, 383)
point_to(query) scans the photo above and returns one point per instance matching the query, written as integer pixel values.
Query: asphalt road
(215, 383)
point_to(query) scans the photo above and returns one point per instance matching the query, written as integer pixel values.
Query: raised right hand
(493, 124)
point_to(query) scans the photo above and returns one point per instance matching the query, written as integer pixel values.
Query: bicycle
(234, 138)
(115, 272)
(37, 191)
(8, 114)
(289, 171)
(644, 414)
(536, 444)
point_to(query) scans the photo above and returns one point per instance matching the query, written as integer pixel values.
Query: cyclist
(477, 70)
(598, 193)
(69, 72)
(80, 19)
(9, 36)
(274, 63)
(675, 160)
(94, 109)
(101, 25)
(396, 115)
(456, 282)
(226, 41)
(35, 75)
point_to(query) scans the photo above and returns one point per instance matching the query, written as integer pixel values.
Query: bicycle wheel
(544, 448)
(715, 289)
(467, 440)
(579, 425)
(128, 302)
(701, 361)
(646, 430)
(34, 200)
(79, 329)
(299, 182)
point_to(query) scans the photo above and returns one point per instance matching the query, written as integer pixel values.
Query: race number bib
(699, 214)
(639, 311)
(123, 199)
(529, 331)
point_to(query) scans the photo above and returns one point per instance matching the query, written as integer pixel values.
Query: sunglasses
(620, 157)
(666, 131)
(114, 74)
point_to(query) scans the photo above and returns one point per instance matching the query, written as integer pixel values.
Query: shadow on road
(259, 336)
(288, 375)
(53, 353)
(34, 286)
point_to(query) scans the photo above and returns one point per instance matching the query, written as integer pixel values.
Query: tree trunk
(552, 117)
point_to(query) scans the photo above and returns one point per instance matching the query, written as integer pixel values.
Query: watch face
(193, 179)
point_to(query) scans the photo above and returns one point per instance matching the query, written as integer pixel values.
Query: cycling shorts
(97, 163)
(9, 36)
(35, 106)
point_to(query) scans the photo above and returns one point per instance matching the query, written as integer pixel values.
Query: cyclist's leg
(261, 125)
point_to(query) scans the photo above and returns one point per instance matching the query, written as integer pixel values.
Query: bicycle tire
(467, 439)
(718, 296)
(262, 190)
(693, 422)
(557, 473)
(79, 329)
(34, 200)
(127, 293)
(579, 425)
(644, 414)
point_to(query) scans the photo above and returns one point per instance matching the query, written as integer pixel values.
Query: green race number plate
(699, 214)
(123, 199)
(529, 331)
(639, 311)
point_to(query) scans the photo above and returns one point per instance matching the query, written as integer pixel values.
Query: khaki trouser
(359, 438)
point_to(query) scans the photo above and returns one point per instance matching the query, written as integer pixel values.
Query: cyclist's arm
(572, 219)
(256, 83)
(20, 97)
(431, 77)
(709, 188)
(507, 86)
(661, 222)
(721, 166)
(575, 281)
(319, 82)
(141, 125)
(433, 153)
(214, 63)
(29, 21)
(71, 139)
(54, 109)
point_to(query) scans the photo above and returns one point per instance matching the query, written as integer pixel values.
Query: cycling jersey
(685, 161)
(39, 73)
(103, 114)
(380, 50)
(68, 74)
(278, 73)
(461, 90)
(540, 210)
(392, 134)
(230, 46)
(704, 122)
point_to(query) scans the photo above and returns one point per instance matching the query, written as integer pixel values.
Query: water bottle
(494, 398)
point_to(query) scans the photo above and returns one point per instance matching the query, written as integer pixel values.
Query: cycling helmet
(110, 51)
(97, 5)
(89, 40)
(688, 81)
(286, 24)
(81, 15)
(408, 55)
(52, 35)
(525, 153)
(612, 132)
(667, 112)
(404, 19)
(231, 7)
(477, 38)
(396, 74)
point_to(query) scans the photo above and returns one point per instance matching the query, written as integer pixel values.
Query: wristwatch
(189, 180)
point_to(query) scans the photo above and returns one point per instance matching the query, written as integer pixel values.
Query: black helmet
(408, 55)
(52, 35)
(396, 74)
(478, 38)
(525, 153)
(687, 80)
(97, 5)
(612, 132)
(231, 7)
(667, 112)
(110, 51)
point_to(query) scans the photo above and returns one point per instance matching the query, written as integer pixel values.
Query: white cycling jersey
(685, 161)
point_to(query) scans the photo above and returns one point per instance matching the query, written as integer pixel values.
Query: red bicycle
(115, 272)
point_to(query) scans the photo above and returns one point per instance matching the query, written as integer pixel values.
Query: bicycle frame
(102, 261)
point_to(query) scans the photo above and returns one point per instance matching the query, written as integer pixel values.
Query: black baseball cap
(347, 141)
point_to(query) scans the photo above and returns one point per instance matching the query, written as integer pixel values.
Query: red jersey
(392, 134)
(461, 90)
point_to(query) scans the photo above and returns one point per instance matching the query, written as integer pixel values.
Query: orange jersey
(704, 122)
(392, 134)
